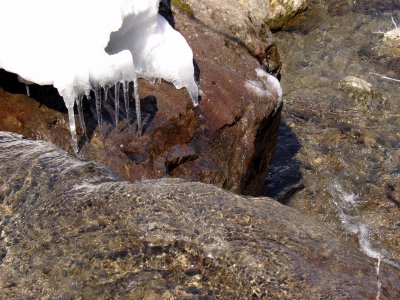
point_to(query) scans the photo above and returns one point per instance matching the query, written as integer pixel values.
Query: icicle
(87, 94)
(72, 127)
(106, 88)
(97, 96)
(27, 90)
(80, 111)
(125, 86)
(137, 105)
(116, 101)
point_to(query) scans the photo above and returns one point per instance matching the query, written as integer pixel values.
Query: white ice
(271, 82)
(268, 86)
(158, 50)
(62, 43)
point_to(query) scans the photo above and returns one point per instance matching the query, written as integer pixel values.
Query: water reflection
(330, 132)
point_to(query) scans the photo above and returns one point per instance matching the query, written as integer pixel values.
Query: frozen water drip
(97, 96)
(28, 93)
(125, 87)
(137, 105)
(72, 127)
(116, 102)
(106, 89)
(79, 104)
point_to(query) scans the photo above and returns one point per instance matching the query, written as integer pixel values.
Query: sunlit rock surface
(73, 229)
(281, 12)
(361, 91)
(240, 22)
(228, 141)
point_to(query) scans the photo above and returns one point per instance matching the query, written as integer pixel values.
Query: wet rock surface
(228, 141)
(73, 229)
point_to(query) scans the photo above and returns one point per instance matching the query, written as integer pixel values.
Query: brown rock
(228, 141)
(240, 22)
(281, 12)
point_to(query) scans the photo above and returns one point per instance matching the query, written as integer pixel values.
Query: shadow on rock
(284, 176)
(45, 95)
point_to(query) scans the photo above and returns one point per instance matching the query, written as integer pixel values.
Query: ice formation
(67, 44)
(268, 86)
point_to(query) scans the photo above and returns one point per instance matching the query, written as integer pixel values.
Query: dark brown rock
(228, 141)
(72, 229)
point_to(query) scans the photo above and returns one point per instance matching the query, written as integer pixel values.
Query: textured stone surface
(240, 22)
(282, 11)
(228, 141)
(72, 229)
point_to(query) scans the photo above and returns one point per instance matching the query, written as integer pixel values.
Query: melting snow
(268, 86)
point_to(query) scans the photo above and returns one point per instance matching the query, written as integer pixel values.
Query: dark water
(338, 157)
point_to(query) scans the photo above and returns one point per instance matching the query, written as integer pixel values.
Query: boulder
(281, 12)
(240, 22)
(361, 91)
(73, 229)
(228, 141)
(247, 16)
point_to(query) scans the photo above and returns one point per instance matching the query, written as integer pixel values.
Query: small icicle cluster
(102, 94)
(106, 44)
(110, 72)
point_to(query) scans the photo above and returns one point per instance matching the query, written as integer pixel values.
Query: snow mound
(62, 43)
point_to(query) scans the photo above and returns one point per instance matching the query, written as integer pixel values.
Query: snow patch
(268, 86)
(257, 88)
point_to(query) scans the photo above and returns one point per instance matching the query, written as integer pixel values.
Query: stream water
(338, 156)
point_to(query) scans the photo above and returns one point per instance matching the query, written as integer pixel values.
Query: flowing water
(71, 229)
(338, 156)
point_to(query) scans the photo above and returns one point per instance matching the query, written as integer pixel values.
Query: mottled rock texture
(240, 22)
(72, 229)
(228, 141)
(282, 11)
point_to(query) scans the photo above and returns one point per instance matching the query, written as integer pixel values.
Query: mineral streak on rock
(73, 229)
